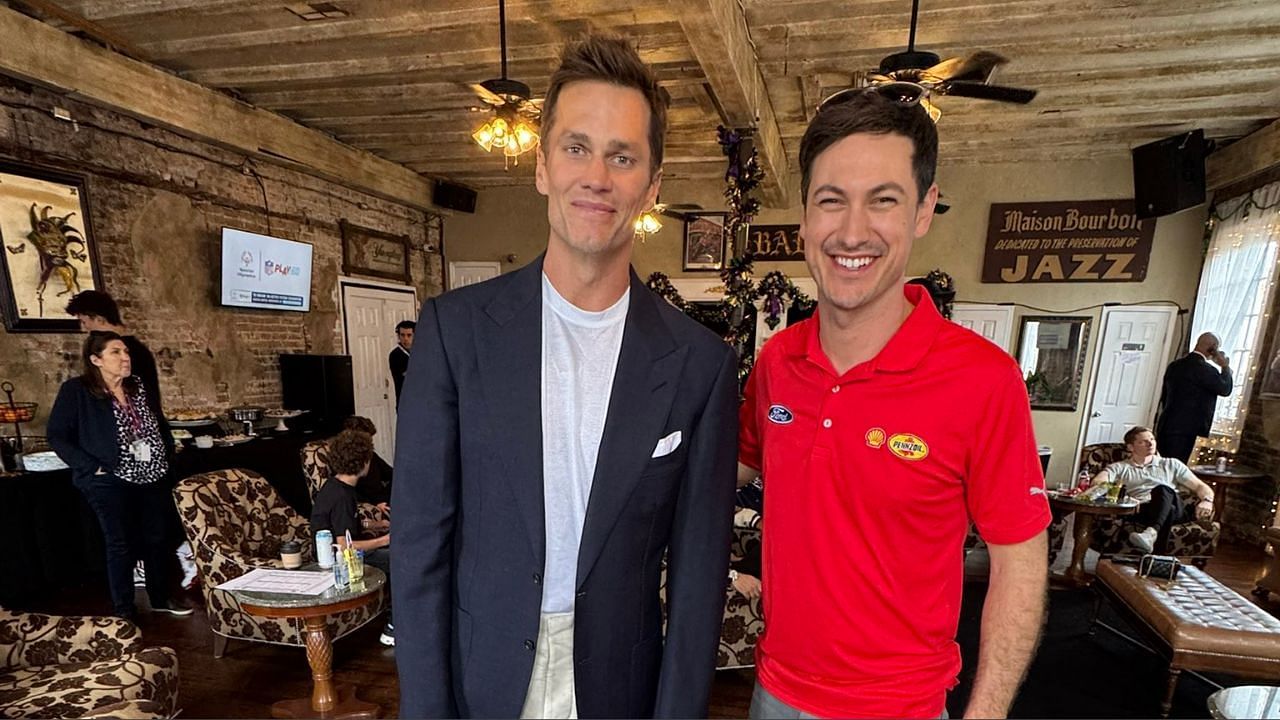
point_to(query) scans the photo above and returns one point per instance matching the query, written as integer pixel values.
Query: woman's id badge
(140, 450)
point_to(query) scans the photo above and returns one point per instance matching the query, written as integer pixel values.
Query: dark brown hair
(96, 303)
(611, 59)
(877, 114)
(349, 452)
(359, 423)
(91, 376)
(1132, 433)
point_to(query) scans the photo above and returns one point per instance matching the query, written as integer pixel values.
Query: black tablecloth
(50, 542)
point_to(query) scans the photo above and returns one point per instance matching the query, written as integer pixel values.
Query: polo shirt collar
(904, 351)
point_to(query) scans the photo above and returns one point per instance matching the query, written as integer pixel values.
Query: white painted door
(1130, 367)
(462, 274)
(993, 322)
(371, 315)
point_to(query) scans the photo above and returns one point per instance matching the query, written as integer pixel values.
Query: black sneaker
(388, 636)
(175, 606)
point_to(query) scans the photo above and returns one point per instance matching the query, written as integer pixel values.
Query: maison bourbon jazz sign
(1082, 241)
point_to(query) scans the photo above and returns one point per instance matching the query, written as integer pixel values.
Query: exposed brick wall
(157, 202)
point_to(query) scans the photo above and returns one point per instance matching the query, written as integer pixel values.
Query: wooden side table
(1223, 480)
(327, 700)
(1085, 512)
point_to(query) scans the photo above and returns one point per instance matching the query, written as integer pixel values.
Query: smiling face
(861, 216)
(113, 362)
(593, 166)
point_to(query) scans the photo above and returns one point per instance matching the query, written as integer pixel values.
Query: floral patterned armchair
(315, 466)
(82, 667)
(1190, 540)
(743, 621)
(236, 522)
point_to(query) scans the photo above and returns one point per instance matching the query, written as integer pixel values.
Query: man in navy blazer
(563, 434)
(1192, 386)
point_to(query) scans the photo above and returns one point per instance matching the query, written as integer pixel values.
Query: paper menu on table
(294, 582)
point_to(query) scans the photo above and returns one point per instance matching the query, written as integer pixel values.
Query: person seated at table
(375, 487)
(334, 509)
(1152, 480)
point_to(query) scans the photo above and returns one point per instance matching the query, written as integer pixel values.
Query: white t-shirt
(1139, 480)
(579, 356)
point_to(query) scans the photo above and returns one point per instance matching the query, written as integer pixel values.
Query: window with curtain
(1236, 290)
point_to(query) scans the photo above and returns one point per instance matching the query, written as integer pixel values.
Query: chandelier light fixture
(647, 224)
(512, 129)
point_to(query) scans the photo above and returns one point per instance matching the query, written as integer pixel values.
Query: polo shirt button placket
(835, 388)
(826, 423)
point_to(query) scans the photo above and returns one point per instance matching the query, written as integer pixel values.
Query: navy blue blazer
(470, 537)
(82, 431)
(1189, 395)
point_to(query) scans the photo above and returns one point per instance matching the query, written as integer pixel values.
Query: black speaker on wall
(1168, 175)
(320, 384)
(453, 196)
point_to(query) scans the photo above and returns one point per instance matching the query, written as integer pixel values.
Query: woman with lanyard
(103, 426)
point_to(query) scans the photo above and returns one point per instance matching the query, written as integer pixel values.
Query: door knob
(1097, 415)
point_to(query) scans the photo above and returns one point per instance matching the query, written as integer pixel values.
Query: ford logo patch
(780, 415)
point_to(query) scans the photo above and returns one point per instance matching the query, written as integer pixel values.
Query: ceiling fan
(513, 129)
(922, 74)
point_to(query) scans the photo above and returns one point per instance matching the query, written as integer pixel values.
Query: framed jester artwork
(46, 247)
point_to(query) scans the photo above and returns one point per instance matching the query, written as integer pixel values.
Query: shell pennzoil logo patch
(908, 446)
(875, 438)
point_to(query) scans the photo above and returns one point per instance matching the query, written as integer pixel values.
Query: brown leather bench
(1202, 624)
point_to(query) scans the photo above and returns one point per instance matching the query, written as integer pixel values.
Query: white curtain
(1235, 295)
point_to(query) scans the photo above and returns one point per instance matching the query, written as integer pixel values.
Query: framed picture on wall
(372, 252)
(1052, 355)
(47, 252)
(705, 240)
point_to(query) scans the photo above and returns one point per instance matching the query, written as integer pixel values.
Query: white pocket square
(667, 445)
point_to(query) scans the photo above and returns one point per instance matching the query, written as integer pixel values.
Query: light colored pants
(764, 706)
(551, 692)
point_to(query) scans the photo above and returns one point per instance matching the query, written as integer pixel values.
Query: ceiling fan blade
(976, 67)
(529, 109)
(486, 95)
(982, 91)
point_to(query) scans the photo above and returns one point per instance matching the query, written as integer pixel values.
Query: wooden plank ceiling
(391, 76)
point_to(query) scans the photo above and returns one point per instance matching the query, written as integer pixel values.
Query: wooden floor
(251, 676)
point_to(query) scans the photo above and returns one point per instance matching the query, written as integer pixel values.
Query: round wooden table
(327, 700)
(1223, 480)
(1085, 512)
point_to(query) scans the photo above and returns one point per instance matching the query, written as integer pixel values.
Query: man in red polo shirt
(881, 430)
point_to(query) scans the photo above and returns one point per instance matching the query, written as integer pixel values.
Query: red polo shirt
(871, 479)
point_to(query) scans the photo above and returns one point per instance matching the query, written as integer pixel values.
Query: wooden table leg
(1170, 688)
(327, 701)
(1080, 545)
(320, 658)
(1219, 500)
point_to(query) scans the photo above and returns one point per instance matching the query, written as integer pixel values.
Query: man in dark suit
(564, 431)
(398, 360)
(1192, 386)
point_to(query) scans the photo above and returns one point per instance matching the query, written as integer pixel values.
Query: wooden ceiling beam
(1241, 160)
(426, 62)
(41, 54)
(717, 31)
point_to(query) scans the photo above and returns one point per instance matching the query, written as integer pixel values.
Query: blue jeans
(764, 706)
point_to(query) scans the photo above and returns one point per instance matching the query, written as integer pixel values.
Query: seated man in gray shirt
(1152, 480)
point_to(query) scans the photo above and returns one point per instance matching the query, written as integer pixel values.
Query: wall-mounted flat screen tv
(263, 272)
